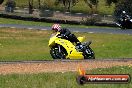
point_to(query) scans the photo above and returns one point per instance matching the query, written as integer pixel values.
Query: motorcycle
(124, 23)
(64, 49)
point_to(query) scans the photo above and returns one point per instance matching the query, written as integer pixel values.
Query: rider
(125, 18)
(66, 34)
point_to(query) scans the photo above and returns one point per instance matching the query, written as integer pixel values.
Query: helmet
(124, 12)
(56, 27)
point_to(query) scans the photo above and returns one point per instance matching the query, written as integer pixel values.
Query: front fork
(59, 48)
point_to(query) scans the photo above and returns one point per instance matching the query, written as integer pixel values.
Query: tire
(54, 52)
(88, 53)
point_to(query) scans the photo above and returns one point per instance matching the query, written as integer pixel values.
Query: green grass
(12, 21)
(61, 80)
(26, 44)
(32, 23)
(23, 44)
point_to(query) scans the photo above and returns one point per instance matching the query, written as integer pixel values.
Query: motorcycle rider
(124, 19)
(66, 34)
(124, 15)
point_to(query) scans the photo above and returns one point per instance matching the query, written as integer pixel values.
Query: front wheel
(58, 52)
(88, 53)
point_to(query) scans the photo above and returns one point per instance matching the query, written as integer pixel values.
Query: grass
(23, 44)
(61, 80)
(32, 23)
(18, 44)
(12, 21)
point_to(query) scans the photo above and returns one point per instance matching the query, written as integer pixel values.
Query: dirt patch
(58, 66)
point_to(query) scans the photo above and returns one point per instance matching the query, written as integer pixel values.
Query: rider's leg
(73, 38)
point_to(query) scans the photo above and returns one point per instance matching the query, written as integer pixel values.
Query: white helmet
(124, 12)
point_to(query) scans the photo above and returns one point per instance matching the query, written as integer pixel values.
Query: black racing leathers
(69, 36)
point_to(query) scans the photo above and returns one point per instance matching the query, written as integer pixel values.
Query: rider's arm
(128, 17)
(66, 32)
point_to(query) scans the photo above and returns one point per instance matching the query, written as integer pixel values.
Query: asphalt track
(90, 30)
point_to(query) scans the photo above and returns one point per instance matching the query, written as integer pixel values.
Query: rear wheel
(88, 53)
(58, 52)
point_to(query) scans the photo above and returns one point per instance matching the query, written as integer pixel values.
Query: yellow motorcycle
(63, 49)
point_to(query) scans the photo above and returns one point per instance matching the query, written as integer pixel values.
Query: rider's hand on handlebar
(62, 35)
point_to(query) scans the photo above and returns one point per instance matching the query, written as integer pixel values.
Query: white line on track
(91, 32)
(12, 27)
(30, 28)
(76, 31)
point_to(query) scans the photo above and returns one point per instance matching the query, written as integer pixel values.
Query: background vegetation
(85, 6)
(103, 7)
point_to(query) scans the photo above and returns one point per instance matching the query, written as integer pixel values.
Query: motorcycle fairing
(81, 39)
(70, 48)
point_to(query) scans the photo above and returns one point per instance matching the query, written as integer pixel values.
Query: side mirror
(1, 1)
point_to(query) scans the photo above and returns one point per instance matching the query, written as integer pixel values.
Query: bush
(46, 10)
(46, 13)
(91, 20)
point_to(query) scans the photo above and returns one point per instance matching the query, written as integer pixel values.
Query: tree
(67, 3)
(93, 4)
(30, 3)
(123, 5)
(39, 5)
